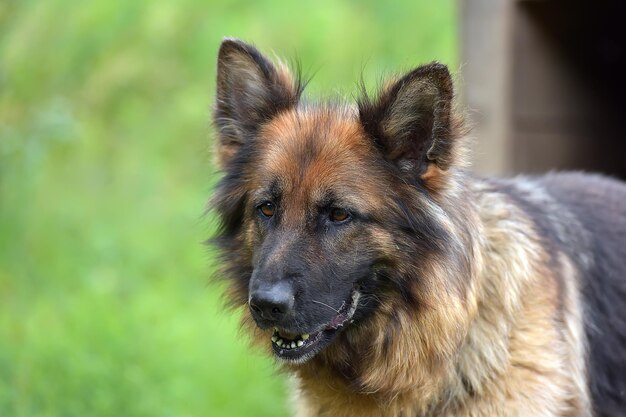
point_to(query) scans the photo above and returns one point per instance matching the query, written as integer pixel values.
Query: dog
(389, 280)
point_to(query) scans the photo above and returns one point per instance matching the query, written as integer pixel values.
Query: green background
(105, 170)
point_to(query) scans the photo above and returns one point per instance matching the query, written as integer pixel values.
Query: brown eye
(339, 215)
(267, 209)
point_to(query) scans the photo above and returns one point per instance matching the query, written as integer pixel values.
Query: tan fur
(521, 354)
(496, 329)
(505, 348)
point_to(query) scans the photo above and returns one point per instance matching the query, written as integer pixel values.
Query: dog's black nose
(272, 303)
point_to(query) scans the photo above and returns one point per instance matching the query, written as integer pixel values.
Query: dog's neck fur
(460, 363)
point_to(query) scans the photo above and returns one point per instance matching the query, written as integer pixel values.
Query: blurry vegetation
(104, 173)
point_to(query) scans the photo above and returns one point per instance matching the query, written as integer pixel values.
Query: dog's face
(321, 205)
(310, 222)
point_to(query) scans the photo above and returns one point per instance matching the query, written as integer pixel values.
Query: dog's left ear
(412, 122)
(250, 91)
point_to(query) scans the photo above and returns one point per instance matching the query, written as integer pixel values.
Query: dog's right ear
(413, 123)
(250, 91)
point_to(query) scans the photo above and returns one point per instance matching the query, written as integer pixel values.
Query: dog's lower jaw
(303, 347)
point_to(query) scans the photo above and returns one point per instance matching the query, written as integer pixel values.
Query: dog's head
(332, 214)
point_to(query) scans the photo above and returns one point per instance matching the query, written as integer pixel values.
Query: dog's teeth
(274, 338)
(300, 343)
(293, 345)
(279, 342)
(305, 336)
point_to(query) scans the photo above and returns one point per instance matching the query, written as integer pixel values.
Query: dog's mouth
(298, 348)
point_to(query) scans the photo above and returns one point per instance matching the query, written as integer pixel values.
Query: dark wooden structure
(545, 81)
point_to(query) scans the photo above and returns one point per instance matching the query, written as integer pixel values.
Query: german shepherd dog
(388, 280)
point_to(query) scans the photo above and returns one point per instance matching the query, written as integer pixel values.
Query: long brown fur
(491, 319)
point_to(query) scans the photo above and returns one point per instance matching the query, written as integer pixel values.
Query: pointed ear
(250, 91)
(412, 122)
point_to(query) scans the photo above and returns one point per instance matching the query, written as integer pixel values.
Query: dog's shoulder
(584, 215)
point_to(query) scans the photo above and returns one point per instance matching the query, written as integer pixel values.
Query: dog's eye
(339, 215)
(267, 209)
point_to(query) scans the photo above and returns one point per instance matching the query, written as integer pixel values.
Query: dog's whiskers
(324, 304)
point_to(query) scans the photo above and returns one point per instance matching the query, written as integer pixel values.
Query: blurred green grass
(105, 169)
